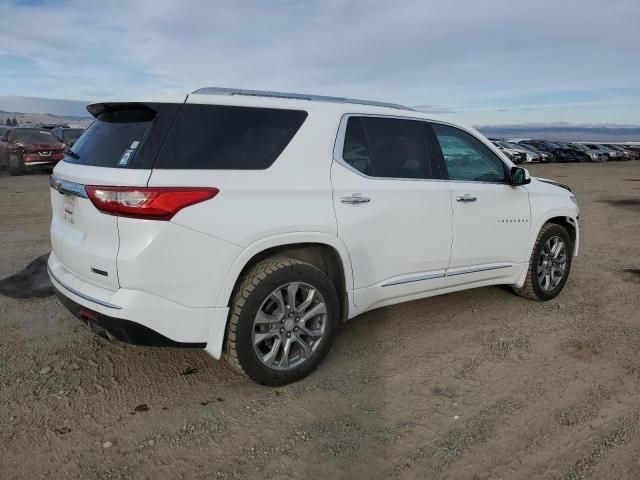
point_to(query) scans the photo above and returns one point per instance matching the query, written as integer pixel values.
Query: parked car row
(545, 151)
(23, 149)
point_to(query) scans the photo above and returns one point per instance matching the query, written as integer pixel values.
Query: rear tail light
(153, 203)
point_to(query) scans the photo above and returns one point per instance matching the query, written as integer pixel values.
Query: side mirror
(519, 176)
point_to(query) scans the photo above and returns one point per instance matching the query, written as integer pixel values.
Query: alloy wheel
(552, 263)
(289, 326)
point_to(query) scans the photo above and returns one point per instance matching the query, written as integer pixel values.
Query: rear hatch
(119, 148)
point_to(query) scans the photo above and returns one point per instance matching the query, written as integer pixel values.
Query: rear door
(118, 149)
(393, 213)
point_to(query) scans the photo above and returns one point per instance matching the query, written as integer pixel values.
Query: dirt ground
(473, 385)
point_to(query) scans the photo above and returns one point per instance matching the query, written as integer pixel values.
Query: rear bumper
(117, 328)
(139, 317)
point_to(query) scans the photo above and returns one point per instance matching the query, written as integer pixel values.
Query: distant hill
(65, 108)
(568, 133)
(44, 110)
(44, 118)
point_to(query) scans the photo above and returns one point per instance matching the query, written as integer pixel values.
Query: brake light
(152, 203)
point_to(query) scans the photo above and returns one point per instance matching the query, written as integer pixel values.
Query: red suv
(23, 149)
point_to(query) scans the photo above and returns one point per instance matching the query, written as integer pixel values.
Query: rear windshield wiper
(72, 154)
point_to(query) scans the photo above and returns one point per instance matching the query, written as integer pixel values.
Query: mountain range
(48, 110)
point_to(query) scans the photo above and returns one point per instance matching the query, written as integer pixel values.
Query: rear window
(228, 137)
(114, 138)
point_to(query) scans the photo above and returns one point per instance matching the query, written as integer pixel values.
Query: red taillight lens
(153, 203)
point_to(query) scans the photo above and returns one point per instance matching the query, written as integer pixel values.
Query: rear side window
(123, 135)
(387, 147)
(228, 137)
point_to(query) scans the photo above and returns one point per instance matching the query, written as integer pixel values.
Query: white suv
(251, 224)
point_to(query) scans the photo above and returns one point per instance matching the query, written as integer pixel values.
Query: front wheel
(549, 265)
(283, 319)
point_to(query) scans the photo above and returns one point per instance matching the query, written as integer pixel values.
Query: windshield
(35, 136)
(71, 134)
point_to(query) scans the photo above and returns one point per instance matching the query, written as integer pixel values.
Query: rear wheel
(550, 264)
(283, 318)
(16, 165)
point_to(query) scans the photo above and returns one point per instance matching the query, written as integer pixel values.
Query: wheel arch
(324, 251)
(563, 218)
(570, 224)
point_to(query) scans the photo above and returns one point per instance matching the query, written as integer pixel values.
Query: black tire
(254, 288)
(16, 165)
(532, 288)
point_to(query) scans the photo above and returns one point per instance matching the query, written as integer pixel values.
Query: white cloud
(475, 58)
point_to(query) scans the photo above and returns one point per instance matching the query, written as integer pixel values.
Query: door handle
(466, 198)
(355, 199)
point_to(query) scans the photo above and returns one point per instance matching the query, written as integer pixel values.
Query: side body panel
(291, 197)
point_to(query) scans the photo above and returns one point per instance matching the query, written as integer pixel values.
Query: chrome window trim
(82, 295)
(65, 186)
(342, 132)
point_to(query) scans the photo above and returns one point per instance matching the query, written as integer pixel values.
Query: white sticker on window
(134, 145)
(126, 156)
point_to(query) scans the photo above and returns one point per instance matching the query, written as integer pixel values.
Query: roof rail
(295, 96)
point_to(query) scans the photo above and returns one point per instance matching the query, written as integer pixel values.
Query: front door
(491, 219)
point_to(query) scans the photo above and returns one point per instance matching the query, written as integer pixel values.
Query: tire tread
(527, 290)
(248, 284)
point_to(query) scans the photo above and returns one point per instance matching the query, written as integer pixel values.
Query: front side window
(387, 147)
(466, 157)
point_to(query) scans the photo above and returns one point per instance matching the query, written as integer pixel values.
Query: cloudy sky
(480, 61)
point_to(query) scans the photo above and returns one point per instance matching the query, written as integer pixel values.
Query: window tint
(356, 151)
(114, 138)
(466, 157)
(387, 147)
(228, 137)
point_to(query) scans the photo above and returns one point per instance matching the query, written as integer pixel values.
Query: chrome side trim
(65, 186)
(432, 276)
(82, 295)
(476, 270)
(416, 278)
